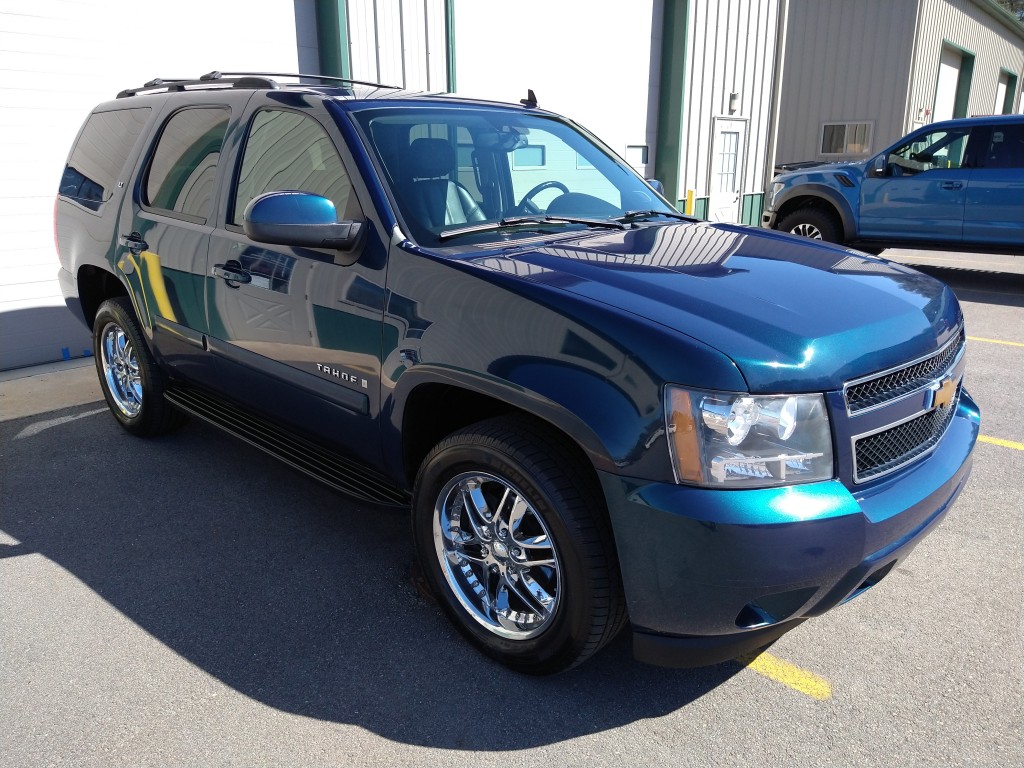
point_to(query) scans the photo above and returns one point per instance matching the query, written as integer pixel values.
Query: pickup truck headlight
(773, 189)
(736, 440)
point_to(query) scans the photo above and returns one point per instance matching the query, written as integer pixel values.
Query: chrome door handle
(952, 185)
(232, 272)
(134, 243)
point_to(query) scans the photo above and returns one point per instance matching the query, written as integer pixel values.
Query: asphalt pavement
(190, 601)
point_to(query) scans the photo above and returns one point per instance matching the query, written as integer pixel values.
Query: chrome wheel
(497, 555)
(807, 230)
(120, 366)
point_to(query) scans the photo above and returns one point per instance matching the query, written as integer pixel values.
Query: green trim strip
(753, 206)
(332, 38)
(668, 149)
(449, 15)
(700, 208)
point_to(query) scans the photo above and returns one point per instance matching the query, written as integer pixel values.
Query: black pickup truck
(599, 411)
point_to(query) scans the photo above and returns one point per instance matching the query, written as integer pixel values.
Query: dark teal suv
(956, 183)
(596, 411)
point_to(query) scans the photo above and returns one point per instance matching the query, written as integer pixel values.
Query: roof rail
(239, 80)
(209, 79)
(329, 78)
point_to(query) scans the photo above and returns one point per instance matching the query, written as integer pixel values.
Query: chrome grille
(891, 385)
(885, 451)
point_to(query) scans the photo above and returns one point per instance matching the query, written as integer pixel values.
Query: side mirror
(300, 219)
(657, 186)
(880, 166)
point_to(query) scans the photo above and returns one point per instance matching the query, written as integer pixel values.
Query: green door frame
(668, 148)
(332, 38)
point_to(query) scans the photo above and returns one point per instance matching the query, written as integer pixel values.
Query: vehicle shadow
(998, 288)
(291, 594)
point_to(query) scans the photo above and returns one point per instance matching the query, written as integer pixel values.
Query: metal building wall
(844, 62)
(59, 59)
(731, 50)
(967, 25)
(399, 42)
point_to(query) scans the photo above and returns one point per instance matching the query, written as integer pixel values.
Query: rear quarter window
(182, 172)
(99, 155)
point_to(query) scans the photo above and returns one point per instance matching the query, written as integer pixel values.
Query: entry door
(727, 169)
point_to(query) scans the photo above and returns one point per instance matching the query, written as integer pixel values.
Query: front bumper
(710, 574)
(768, 219)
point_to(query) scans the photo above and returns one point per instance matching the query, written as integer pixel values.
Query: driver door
(923, 194)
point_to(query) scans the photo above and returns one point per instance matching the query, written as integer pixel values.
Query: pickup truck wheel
(513, 540)
(811, 222)
(132, 383)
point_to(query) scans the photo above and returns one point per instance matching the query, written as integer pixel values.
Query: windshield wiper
(513, 221)
(630, 216)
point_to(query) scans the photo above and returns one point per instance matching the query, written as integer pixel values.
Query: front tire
(512, 537)
(132, 383)
(812, 223)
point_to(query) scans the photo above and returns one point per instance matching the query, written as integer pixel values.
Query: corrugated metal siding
(399, 42)
(844, 62)
(966, 25)
(732, 50)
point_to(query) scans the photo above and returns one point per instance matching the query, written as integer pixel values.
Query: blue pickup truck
(958, 183)
(596, 411)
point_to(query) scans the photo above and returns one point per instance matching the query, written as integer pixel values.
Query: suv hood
(794, 315)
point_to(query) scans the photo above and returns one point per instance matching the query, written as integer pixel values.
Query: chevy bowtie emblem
(945, 391)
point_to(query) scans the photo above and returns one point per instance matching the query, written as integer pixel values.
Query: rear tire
(132, 383)
(812, 223)
(512, 537)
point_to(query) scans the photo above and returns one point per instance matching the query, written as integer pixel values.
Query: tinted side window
(184, 166)
(100, 155)
(1005, 147)
(289, 151)
(941, 148)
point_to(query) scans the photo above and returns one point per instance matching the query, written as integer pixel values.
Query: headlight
(733, 440)
(773, 190)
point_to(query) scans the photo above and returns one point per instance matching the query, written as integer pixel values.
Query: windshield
(482, 174)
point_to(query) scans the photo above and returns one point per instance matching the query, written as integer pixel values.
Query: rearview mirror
(657, 186)
(298, 219)
(880, 166)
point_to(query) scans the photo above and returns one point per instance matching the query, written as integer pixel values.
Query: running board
(320, 463)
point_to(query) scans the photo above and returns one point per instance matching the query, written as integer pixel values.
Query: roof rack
(328, 78)
(260, 80)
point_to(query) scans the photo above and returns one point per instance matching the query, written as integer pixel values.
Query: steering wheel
(526, 205)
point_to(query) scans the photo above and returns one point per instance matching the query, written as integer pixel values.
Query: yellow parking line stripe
(996, 341)
(1000, 442)
(790, 675)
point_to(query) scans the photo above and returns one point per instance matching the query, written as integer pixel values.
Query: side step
(313, 459)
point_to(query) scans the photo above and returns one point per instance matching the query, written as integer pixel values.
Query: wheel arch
(96, 285)
(822, 198)
(434, 404)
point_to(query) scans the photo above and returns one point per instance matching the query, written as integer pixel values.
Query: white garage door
(949, 76)
(58, 59)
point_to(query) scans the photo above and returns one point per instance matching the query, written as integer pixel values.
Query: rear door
(922, 196)
(994, 210)
(298, 335)
(165, 223)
